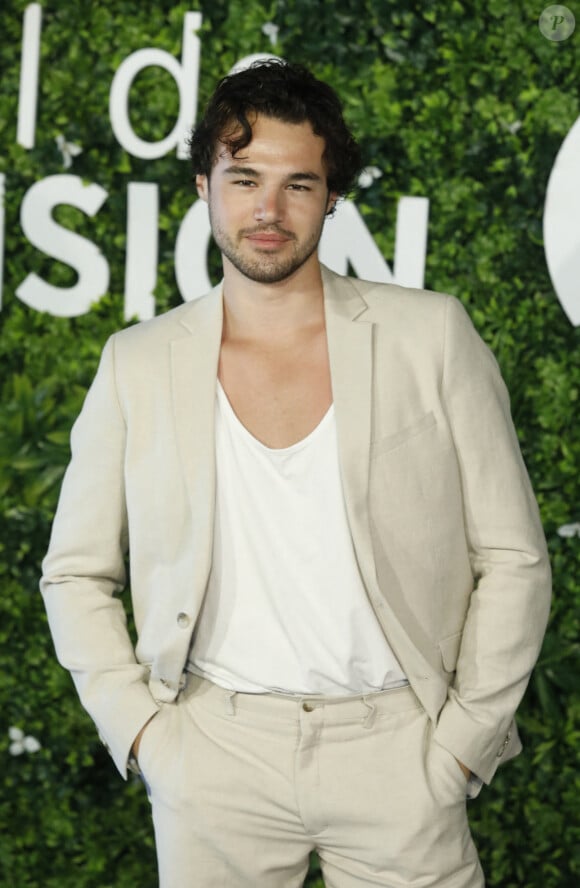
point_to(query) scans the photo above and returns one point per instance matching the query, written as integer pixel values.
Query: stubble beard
(266, 267)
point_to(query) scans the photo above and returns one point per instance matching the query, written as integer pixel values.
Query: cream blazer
(443, 519)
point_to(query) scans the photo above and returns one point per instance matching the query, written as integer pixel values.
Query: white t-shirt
(286, 609)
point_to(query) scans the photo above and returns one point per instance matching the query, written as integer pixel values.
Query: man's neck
(273, 364)
(272, 312)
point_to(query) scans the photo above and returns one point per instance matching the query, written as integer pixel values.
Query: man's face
(267, 204)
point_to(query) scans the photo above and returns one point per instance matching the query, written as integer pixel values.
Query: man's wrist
(465, 769)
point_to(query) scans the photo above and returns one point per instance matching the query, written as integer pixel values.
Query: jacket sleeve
(509, 606)
(84, 570)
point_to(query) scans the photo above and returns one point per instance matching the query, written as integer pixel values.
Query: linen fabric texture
(244, 786)
(443, 520)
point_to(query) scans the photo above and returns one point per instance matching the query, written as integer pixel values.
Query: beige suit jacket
(443, 519)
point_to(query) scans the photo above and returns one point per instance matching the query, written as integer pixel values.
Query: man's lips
(267, 238)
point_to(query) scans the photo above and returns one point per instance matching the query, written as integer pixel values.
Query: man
(339, 577)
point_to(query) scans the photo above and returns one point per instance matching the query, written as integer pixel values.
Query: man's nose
(269, 205)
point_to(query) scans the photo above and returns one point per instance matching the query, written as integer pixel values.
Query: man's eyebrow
(309, 177)
(241, 171)
(236, 170)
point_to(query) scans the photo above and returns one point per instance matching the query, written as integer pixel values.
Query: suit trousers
(244, 786)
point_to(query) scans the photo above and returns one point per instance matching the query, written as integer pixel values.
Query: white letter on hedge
(27, 99)
(186, 77)
(60, 243)
(191, 252)
(411, 241)
(142, 250)
(346, 239)
(562, 225)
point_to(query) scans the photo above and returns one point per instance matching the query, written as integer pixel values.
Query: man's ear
(331, 203)
(202, 186)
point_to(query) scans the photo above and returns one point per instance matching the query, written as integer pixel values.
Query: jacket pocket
(383, 445)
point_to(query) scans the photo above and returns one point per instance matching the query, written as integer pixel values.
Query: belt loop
(369, 719)
(229, 702)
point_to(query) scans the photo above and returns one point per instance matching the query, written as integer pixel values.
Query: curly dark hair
(286, 92)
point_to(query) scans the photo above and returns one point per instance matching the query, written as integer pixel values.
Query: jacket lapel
(350, 346)
(194, 363)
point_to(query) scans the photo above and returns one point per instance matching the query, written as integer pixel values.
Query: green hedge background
(463, 102)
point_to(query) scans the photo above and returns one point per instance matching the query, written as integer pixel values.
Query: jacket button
(504, 745)
(183, 620)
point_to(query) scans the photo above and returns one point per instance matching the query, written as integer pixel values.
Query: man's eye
(295, 187)
(245, 182)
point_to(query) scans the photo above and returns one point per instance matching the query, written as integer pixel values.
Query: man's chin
(266, 273)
